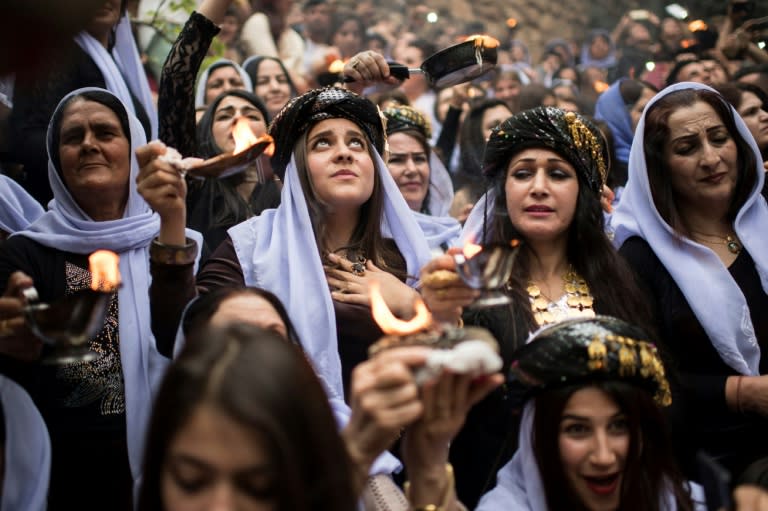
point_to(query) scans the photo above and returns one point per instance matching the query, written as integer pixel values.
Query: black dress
(83, 404)
(734, 439)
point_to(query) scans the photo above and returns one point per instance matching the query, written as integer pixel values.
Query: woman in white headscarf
(25, 449)
(692, 223)
(103, 55)
(96, 411)
(17, 208)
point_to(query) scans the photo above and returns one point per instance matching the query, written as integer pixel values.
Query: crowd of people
(239, 363)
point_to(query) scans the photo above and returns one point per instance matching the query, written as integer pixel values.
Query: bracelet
(446, 493)
(738, 393)
(173, 254)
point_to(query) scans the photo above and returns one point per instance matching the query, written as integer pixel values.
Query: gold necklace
(578, 299)
(732, 243)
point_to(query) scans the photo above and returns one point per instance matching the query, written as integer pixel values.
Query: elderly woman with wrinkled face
(95, 409)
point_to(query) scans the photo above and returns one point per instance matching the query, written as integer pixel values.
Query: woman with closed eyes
(691, 222)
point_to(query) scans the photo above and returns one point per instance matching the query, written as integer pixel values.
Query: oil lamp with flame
(487, 268)
(248, 149)
(67, 325)
(463, 350)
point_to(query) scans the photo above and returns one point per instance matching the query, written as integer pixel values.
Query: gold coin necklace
(576, 302)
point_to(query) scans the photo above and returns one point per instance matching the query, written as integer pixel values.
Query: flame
(471, 249)
(105, 275)
(244, 137)
(511, 22)
(270, 150)
(514, 243)
(687, 43)
(697, 26)
(387, 321)
(483, 41)
(337, 66)
(600, 86)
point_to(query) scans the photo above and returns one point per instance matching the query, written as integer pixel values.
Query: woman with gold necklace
(693, 227)
(546, 170)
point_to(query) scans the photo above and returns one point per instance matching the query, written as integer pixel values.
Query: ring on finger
(5, 330)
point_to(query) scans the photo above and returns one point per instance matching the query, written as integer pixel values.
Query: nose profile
(603, 454)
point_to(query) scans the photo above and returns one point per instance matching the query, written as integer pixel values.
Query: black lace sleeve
(176, 97)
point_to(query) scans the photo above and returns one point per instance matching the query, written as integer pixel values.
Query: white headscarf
(202, 81)
(714, 297)
(122, 69)
(67, 227)
(277, 251)
(17, 208)
(27, 451)
(519, 485)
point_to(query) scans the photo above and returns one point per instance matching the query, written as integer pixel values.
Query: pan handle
(399, 71)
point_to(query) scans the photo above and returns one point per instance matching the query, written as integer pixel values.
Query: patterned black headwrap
(585, 350)
(402, 118)
(570, 135)
(303, 112)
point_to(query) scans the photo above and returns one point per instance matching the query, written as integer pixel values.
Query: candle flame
(243, 135)
(387, 321)
(270, 150)
(511, 22)
(105, 275)
(482, 40)
(337, 66)
(514, 243)
(471, 249)
(697, 26)
(601, 86)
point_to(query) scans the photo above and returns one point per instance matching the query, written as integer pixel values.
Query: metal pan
(456, 64)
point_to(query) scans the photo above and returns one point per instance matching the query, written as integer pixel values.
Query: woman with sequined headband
(421, 176)
(341, 224)
(692, 222)
(546, 170)
(592, 435)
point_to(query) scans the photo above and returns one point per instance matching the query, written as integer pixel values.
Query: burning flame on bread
(105, 273)
(391, 325)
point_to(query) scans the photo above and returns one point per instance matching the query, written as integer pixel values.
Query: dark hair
(252, 69)
(733, 93)
(206, 144)
(201, 310)
(617, 172)
(472, 143)
(102, 97)
(367, 239)
(657, 133)
(611, 281)
(532, 95)
(222, 204)
(649, 468)
(472, 139)
(265, 384)
(677, 68)
(339, 19)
